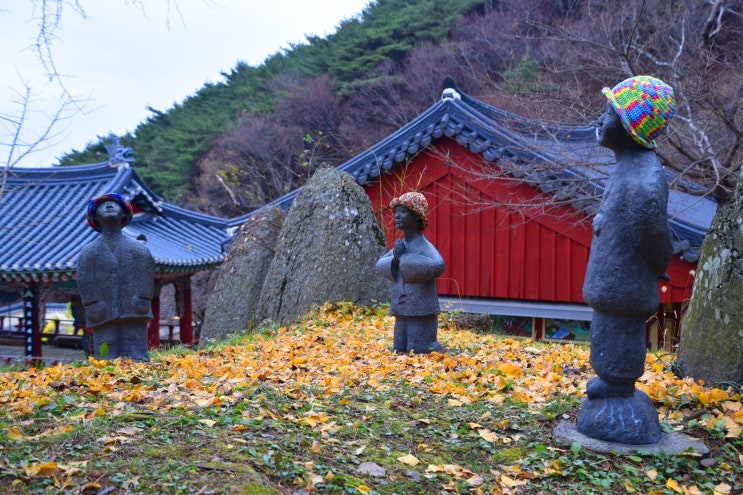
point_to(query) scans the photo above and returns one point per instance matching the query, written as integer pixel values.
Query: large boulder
(232, 303)
(326, 251)
(711, 347)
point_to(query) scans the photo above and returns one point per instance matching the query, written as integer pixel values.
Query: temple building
(511, 205)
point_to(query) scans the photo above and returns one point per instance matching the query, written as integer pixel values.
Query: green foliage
(390, 30)
(524, 77)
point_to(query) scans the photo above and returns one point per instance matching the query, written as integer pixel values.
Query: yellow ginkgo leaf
(14, 434)
(487, 435)
(510, 370)
(47, 469)
(652, 474)
(673, 485)
(204, 402)
(409, 459)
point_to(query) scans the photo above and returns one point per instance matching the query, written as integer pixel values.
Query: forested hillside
(238, 144)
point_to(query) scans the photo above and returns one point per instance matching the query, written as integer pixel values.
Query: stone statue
(116, 279)
(631, 249)
(413, 265)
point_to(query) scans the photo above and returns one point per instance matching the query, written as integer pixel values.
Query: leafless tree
(19, 136)
(694, 45)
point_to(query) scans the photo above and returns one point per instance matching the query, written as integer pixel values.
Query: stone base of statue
(566, 434)
(628, 420)
(125, 338)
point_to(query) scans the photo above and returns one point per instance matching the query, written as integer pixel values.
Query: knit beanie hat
(416, 202)
(645, 106)
(93, 205)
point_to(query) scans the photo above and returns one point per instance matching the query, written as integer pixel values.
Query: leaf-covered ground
(326, 407)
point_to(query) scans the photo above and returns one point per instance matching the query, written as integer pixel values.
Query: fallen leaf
(47, 469)
(673, 485)
(487, 435)
(475, 480)
(14, 434)
(409, 459)
(652, 474)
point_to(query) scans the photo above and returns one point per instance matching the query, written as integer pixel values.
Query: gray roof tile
(43, 227)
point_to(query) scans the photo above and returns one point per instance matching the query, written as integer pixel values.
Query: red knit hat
(416, 202)
(118, 198)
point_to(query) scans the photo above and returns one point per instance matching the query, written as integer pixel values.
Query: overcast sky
(123, 60)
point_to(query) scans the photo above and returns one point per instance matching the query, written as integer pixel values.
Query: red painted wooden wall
(500, 237)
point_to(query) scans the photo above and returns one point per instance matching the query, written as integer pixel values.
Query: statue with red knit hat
(630, 252)
(116, 280)
(412, 266)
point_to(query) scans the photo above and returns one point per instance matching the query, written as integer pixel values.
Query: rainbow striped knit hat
(118, 198)
(415, 202)
(645, 106)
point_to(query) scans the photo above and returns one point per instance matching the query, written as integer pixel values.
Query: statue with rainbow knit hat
(412, 266)
(630, 251)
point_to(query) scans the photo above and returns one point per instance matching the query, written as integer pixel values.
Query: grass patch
(329, 409)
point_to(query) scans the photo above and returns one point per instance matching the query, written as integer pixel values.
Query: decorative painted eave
(563, 160)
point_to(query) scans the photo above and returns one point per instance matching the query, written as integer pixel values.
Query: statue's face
(109, 209)
(406, 218)
(610, 132)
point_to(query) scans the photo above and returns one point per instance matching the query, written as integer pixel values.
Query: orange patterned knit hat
(416, 202)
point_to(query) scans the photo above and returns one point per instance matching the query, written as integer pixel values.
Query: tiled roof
(563, 160)
(43, 227)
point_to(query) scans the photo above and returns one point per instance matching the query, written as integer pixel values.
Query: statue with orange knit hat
(630, 251)
(413, 265)
(116, 280)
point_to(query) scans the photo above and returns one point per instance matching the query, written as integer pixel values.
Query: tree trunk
(711, 347)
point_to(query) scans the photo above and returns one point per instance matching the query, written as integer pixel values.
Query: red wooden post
(186, 316)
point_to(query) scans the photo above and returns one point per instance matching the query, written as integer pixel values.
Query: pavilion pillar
(32, 321)
(187, 312)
